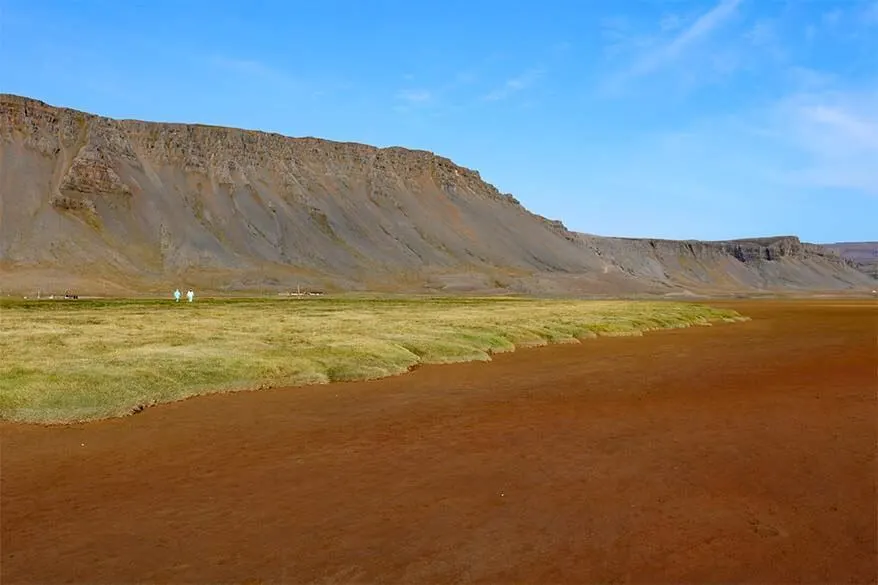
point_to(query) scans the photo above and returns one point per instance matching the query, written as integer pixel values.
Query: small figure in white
(190, 295)
(177, 296)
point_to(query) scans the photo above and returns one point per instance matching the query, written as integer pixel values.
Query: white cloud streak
(664, 54)
(415, 96)
(514, 85)
(838, 135)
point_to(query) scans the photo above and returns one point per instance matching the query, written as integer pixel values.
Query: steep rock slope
(863, 254)
(762, 263)
(142, 206)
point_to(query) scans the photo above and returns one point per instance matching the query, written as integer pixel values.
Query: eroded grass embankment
(85, 360)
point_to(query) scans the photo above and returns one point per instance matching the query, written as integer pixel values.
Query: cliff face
(137, 205)
(864, 255)
(755, 264)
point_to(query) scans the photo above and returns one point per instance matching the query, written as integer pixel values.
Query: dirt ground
(735, 453)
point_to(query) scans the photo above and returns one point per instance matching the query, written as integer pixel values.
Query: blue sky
(674, 118)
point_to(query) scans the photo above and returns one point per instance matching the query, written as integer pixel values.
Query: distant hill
(119, 206)
(864, 254)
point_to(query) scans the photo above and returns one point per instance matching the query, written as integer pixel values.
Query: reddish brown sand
(737, 453)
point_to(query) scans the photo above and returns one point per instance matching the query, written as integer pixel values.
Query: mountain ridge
(138, 205)
(864, 255)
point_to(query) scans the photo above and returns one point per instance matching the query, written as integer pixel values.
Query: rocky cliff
(753, 264)
(123, 205)
(864, 255)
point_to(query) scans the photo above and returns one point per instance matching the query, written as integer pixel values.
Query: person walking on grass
(177, 296)
(190, 295)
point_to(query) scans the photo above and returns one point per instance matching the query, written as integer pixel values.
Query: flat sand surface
(735, 453)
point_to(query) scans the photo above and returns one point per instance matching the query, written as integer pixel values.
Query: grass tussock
(84, 360)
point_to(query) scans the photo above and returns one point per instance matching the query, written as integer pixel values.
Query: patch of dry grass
(82, 360)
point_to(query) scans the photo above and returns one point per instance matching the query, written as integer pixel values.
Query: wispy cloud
(514, 85)
(436, 98)
(684, 46)
(414, 96)
(688, 38)
(469, 87)
(837, 132)
(813, 139)
(853, 129)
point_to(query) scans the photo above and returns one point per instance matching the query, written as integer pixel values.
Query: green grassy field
(66, 361)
